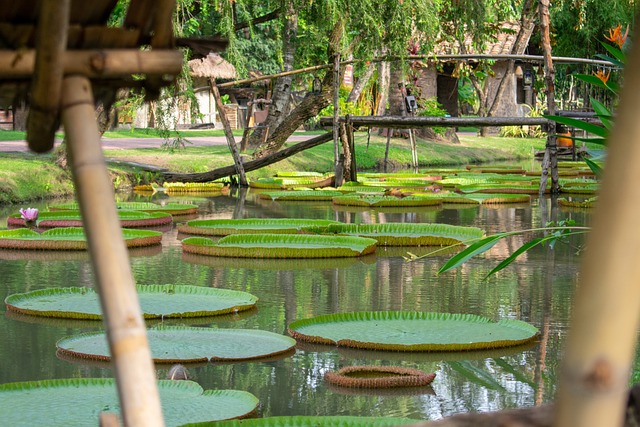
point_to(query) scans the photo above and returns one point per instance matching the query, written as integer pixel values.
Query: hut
(203, 70)
(441, 80)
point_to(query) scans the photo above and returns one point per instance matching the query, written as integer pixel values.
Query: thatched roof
(502, 44)
(212, 66)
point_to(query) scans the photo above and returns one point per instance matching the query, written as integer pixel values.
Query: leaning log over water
(248, 166)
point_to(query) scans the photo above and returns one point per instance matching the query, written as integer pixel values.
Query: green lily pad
(406, 234)
(386, 201)
(175, 344)
(69, 238)
(224, 227)
(280, 246)
(172, 208)
(309, 421)
(580, 204)
(71, 218)
(193, 187)
(79, 401)
(301, 195)
(487, 187)
(477, 198)
(412, 331)
(156, 301)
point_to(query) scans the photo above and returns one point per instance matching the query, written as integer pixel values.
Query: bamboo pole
(336, 115)
(604, 323)
(126, 331)
(51, 38)
(233, 147)
(399, 122)
(106, 63)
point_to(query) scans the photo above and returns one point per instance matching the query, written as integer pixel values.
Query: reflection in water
(537, 289)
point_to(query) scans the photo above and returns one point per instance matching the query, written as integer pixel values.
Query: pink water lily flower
(29, 214)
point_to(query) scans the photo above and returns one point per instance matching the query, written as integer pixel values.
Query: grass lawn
(28, 177)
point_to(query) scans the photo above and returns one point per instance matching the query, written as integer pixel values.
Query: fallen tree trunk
(248, 166)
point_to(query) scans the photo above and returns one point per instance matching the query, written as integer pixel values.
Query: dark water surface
(537, 289)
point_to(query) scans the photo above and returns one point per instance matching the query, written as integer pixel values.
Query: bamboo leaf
(580, 124)
(473, 250)
(530, 244)
(596, 168)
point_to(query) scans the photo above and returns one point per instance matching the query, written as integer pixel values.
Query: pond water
(537, 289)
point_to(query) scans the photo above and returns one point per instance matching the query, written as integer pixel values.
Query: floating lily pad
(280, 246)
(224, 227)
(580, 204)
(276, 263)
(379, 377)
(193, 187)
(406, 234)
(79, 401)
(579, 188)
(156, 301)
(520, 188)
(309, 421)
(412, 331)
(173, 344)
(389, 201)
(69, 238)
(301, 195)
(172, 208)
(71, 218)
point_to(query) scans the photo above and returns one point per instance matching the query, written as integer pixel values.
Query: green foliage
(430, 107)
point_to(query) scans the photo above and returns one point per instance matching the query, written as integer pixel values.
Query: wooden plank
(43, 119)
(108, 63)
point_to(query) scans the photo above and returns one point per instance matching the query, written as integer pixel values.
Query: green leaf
(180, 344)
(530, 244)
(384, 201)
(412, 331)
(405, 234)
(603, 113)
(281, 246)
(596, 168)
(473, 250)
(78, 401)
(615, 52)
(591, 79)
(224, 227)
(516, 373)
(580, 124)
(156, 301)
(69, 238)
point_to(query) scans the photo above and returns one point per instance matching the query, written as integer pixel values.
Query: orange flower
(604, 77)
(616, 36)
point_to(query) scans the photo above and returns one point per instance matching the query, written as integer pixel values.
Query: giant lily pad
(69, 238)
(406, 234)
(156, 301)
(477, 198)
(70, 218)
(224, 227)
(172, 208)
(172, 344)
(391, 201)
(487, 187)
(580, 204)
(301, 195)
(309, 421)
(280, 246)
(193, 187)
(412, 331)
(79, 401)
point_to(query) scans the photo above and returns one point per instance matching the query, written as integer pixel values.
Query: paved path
(124, 143)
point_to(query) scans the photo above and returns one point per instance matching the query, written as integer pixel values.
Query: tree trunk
(361, 83)
(383, 85)
(282, 92)
(396, 80)
(310, 105)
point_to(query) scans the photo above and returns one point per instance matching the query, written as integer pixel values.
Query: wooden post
(386, 149)
(43, 119)
(604, 321)
(550, 160)
(229, 134)
(126, 330)
(245, 133)
(353, 173)
(336, 114)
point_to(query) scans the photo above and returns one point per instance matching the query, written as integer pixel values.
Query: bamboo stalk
(600, 345)
(43, 118)
(126, 332)
(107, 63)
(233, 147)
